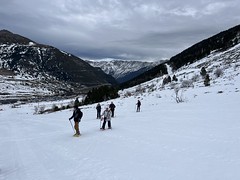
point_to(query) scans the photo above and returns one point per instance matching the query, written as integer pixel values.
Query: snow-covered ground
(197, 139)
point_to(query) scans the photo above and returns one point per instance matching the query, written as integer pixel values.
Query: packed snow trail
(198, 139)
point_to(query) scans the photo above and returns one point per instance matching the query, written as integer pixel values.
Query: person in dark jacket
(138, 105)
(112, 108)
(77, 116)
(98, 111)
(76, 102)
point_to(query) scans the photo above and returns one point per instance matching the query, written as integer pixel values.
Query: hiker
(98, 111)
(106, 117)
(112, 108)
(76, 102)
(138, 105)
(77, 116)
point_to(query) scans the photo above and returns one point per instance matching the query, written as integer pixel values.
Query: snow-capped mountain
(27, 67)
(123, 70)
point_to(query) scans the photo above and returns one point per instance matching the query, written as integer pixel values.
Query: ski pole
(100, 122)
(71, 125)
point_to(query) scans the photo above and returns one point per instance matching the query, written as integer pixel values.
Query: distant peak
(7, 37)
(4, 31)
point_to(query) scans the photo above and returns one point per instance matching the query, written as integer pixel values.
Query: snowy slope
(197, 139)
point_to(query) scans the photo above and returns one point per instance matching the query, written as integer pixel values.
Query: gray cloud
(134, 29)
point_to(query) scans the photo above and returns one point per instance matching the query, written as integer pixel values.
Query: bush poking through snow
(218, 72)
(178, 98)
(55, 108)
(39, 109)
(195, 78)
(127, 94)
(187, 84)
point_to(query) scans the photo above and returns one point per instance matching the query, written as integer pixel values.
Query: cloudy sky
(119, 29)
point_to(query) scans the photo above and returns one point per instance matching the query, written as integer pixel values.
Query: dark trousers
(138, 108)
(104, 123)
(112, 110)
(98, 114)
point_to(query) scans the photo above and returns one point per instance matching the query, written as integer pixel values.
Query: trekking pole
(100, 122)
(71, 125)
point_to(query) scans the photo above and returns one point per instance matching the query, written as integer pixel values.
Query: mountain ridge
(219, 42)
(58, 71)
(123, 70)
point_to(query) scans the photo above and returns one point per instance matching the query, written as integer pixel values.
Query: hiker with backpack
(106, 117)
(77, 116)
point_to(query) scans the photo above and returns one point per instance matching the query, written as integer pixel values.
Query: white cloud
(185, 11)
(215, 7)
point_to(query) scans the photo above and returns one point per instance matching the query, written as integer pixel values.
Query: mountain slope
(122, 70)
(218, 43)
(32, 62)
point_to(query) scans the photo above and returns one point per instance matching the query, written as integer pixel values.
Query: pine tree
(174, 78)
(203, 72)
(207, 80)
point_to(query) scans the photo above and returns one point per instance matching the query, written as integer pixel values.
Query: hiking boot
(76, 135)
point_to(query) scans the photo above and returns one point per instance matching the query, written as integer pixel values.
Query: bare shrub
(195, 78)
(151, 88)
(140, 89)
(178, 98)
(218, 72)
(128, 94)
(39, 109)
(187, 84)
(15, 106)
(35, 109)
(42, 109)
(173, 84)
(55, 108)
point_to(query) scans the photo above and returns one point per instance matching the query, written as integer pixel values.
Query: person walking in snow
(106, 117)
(76, 102)
(98, 111)
(112, 108)
(138, 105)
(77, 116)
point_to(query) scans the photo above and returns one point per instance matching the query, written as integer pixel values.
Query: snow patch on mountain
(123, 70)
